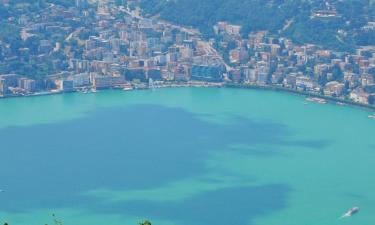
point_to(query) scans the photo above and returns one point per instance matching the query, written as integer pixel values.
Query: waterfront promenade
(303, 93)
(141, 86)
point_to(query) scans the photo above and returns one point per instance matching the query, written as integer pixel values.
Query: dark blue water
(48, 166)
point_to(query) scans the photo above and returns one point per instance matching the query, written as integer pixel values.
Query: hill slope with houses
(335, 24)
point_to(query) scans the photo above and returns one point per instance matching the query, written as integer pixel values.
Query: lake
(188, 156)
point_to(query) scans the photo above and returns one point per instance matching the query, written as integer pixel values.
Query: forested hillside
(342, 29)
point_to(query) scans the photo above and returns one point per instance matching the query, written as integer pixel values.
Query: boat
(317, 100)
(372, 116)
(351, 212)
(340, 103)
(128, 88)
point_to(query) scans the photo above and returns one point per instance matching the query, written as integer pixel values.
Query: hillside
(335, 24)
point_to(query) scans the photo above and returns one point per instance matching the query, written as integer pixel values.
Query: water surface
(184, 157)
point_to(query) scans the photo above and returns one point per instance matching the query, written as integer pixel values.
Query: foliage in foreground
(59, 222)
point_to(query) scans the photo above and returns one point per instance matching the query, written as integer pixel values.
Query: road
(207, 48)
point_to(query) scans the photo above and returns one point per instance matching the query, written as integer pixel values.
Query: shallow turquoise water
(185, 157)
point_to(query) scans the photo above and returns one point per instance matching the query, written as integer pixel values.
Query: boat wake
(350, 212)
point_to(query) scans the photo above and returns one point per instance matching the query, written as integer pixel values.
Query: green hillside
(341, 31)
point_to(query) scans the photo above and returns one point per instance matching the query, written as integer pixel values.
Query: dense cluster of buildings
(106, 45)
(265, 60)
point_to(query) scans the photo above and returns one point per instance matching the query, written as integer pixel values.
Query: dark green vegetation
(59, 222)
(144, 223)
(341, 32)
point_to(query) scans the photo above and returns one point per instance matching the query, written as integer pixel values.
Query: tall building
(3, 87)
(10, 80)
(82, 79)
(67, 86)
(28, 85)
(207, 72)
(101, 82)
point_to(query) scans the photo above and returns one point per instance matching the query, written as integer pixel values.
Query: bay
(188, 156)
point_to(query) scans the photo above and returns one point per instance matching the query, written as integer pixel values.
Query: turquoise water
(185, 157)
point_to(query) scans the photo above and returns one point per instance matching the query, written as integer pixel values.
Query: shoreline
(217, 85)
(301, 93)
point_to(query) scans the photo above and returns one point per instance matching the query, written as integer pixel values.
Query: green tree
(146, 222)
(337, 73)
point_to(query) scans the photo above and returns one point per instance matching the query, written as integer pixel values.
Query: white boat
(128, 89)
(350, 212)
(371, 116)
(317, 100)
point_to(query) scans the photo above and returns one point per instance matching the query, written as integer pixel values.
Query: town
(110, 45)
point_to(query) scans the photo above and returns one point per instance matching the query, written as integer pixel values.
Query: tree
(337, 73)
(146, 222)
